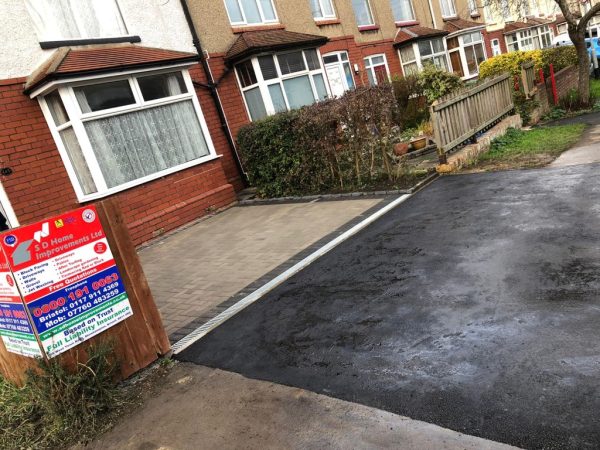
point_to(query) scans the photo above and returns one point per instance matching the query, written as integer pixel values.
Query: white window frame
(406, 20)
(451, 5)
(496, 46)
(419, 58)
(244, 22)
(545, 31)
(125, 34)
(473, 8)
(462, 48)
(77, 120)
(326, 16)
(522, 36)
(370, 67)
(263, 84)
(372, 23)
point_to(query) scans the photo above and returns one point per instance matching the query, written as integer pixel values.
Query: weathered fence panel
(461, 116)
(528, 78)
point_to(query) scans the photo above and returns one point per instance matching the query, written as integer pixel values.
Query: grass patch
(525, 149)
(57, 408)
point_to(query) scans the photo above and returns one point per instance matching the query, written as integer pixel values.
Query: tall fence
(458, 118)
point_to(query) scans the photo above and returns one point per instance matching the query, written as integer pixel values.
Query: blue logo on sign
(10, 240)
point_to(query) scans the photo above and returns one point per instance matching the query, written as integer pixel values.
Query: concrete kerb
(342, 196)
(213, 323)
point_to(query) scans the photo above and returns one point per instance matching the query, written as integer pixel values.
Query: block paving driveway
(474, 305)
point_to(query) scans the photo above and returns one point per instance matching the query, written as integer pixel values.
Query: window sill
(407, 23)
(322, 23)
(449, 18)
(368, 28)
(265, 27)
(48, 45)
(156, 176)
(475, 15)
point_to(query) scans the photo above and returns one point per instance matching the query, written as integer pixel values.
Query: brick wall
(566, 79)
(488, 36)
(39, 185)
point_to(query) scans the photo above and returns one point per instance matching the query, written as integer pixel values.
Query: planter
(419, 143)
(401, 148)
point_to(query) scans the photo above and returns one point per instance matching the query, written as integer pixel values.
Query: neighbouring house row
(141, 100)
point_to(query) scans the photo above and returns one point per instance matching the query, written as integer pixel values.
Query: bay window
(417, 55)
(363, 13)
(377, 69)
(433, 52)
(322, 9)
(58, 20)
(448, 8)
(251, 12)
(117, 133)
(466, 54)
(403, 11)
(280, 82)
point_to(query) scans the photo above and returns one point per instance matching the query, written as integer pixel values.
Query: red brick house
(107, 101)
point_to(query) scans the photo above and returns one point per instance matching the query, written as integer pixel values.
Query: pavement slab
(473, 306)
(194, 273)
(202, 408)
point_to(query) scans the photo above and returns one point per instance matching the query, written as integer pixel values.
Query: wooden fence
(459, 117)
(528, 78)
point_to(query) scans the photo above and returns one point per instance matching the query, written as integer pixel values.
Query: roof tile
(415, 33)
(70, 62)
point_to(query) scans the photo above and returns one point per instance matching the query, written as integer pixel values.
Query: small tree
(577, 26)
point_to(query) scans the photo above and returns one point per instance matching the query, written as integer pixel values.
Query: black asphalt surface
(474, 305)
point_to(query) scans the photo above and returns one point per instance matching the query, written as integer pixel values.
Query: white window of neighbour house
(403, 11)
(545, 34)
(120, 132)
(322, 9)
(417, 55)
(523, 40)
(473, 52)
(251, 12)
(448, 8)
(57, 20)
(281, 82)
(363, 13)
(339, 72)
(473, 10)
(377, 69)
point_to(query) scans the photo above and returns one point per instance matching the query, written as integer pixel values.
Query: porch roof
(457, 25)
(416, 33)
(71, 62)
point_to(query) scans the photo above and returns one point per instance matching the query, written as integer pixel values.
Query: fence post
(553, 83)
(438, 135)
(542, 77)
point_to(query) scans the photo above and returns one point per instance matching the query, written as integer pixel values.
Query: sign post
(68, 279)
(61, 285)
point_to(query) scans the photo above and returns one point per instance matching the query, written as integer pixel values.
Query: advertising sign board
(67, 277)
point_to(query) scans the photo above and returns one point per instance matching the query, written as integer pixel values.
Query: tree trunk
(578, 39)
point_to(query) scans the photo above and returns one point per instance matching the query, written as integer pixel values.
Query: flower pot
(401, 148)
(419, 143)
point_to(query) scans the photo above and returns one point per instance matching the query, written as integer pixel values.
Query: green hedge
(560, 57)
(333, 145)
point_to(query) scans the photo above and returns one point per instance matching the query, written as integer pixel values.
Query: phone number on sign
(82, 299)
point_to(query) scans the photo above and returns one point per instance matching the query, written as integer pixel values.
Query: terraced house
(99, 99)
(274, 55)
